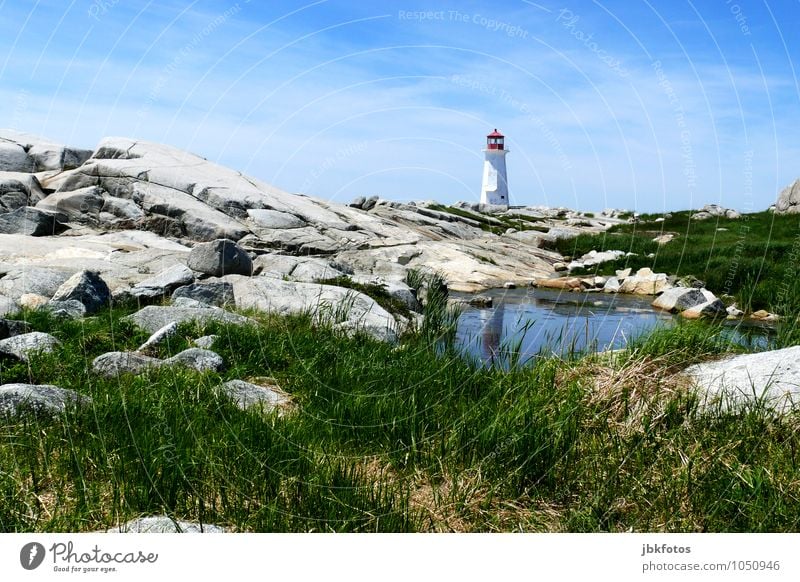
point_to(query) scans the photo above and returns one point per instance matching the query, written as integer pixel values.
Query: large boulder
(679, 299)
(18, 190)
(708, 309)
(789, 199)
(220, 257)
(30, 221)
(771, 378)
(645, 282)
(325, 303)
(41, 399)
(88, 288)
(24, 345)
(20, 281)
(14, 158)
(567, 283)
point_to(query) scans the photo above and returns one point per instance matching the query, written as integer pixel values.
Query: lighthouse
(494, 189)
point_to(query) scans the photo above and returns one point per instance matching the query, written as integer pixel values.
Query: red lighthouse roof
(495, 133)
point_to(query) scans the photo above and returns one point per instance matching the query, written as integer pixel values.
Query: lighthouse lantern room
(494, 189)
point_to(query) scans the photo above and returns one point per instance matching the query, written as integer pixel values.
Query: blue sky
(630, 104)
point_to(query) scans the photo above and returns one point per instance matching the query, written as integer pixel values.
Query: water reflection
(527, 322)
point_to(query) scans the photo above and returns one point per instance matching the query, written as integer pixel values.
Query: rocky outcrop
(715, 211)
(789, 199)
(770, 378)
(31, 222)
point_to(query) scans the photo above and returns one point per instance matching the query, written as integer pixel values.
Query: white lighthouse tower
(494, 189)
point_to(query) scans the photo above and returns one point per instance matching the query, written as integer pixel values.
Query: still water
(528, 321)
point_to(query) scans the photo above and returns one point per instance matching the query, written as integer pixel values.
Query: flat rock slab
(247, 395)
(23, 345)
(164, 282)
(154, 317)
(40, 399)
(164, 524)
(772, 376)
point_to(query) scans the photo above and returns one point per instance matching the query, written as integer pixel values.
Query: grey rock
(13, 158)
(218, 293)
(709, 308)
(18, 190)
(189, 303)
(163, 283)
(369, 203)
(69, 309)
(206, 342)
(38, 280)
(41, 154)
(7, 306)
(197, 359)
(679, 299)
(789, 199)
(325, 303)
(88, 288)
(164, 524)
(274, 219)
(159, 336)
(81, 206)
(246, 395)
(220, 257)
(12, 327)
(112, 364)
(122, 209)
(483, 301)
(154, 317)
(23, 345)
(612, 285)
(771, 377)
(358, 202)
(42, 399)
(30, 221)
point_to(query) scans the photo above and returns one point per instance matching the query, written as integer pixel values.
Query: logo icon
(31, 555)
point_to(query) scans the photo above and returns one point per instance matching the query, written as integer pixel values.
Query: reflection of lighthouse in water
(491, 331)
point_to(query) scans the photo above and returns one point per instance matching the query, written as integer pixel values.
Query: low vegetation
(753, 258)
(392, 438)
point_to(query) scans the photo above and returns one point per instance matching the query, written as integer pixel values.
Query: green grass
(392, 438)
(755, 259)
